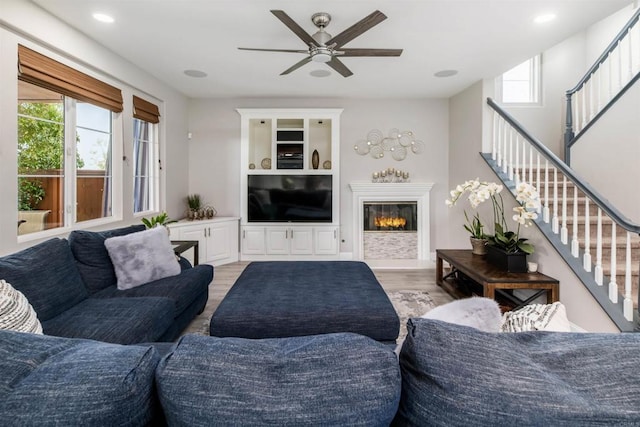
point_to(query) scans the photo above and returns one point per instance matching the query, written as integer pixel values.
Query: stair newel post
(568, 131)
(613, 285)
(598, 274)
(586, 260)
(575, 246)
(627, 305)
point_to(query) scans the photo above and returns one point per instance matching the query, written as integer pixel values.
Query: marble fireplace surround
(366, 191)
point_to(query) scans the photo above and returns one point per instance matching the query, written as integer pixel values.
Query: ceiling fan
(325, 48)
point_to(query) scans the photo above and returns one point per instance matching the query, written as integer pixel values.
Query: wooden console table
(466, 267)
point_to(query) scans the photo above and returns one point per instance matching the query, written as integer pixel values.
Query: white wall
(23, 22)
(214, 150)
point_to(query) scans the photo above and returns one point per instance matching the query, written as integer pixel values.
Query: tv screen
(289, 198)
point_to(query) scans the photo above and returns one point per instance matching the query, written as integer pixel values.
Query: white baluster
(627, 305)
(510, 168)
(495, 135)
(507, 130)
(586, 259)
(499, 144)
(613, 286)
(531, 165)
(545, 210)
(575, 246)
(524, 161)
(555, 227)
(538, 185)
(620, 66)
(592, 108)
(516, 172)
(630, 57)
(585, 113)
(609, 63)
(599, 71)
(564, 237)
(598, 272)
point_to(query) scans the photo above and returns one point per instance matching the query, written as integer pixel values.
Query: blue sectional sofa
(71, 284)
(447, 375)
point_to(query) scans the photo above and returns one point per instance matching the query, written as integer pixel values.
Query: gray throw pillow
(142, 257)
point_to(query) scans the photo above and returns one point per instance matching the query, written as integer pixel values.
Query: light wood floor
(391, 280)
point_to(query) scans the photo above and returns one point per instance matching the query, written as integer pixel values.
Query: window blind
(40, 70)
(145, 110)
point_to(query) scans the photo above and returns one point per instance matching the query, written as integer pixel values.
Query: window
(144, 152)
(145, 156)
(65, 145)
(521, 84)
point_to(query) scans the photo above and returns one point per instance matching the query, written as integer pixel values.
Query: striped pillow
(16, 313)
(537, 317)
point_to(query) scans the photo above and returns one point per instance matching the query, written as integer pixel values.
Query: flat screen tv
(289, 198)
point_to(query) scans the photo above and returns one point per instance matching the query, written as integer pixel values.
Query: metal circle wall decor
(397, 143)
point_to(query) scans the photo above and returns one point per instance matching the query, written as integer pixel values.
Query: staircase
(597, 242)
(592, 236)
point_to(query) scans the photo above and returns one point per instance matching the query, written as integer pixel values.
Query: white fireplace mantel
(366, 191)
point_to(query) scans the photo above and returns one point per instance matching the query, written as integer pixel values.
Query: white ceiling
(479, 38)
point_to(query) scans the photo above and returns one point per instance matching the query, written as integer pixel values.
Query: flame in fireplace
(390, 222)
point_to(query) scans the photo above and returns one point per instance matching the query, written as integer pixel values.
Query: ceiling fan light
(321, 57)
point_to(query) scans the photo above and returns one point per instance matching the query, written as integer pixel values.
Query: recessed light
(195, 73)
(103, 17)
(543, 19)
(320, 73)
(446, 73)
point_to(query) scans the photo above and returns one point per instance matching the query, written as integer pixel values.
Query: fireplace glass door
(390, 216)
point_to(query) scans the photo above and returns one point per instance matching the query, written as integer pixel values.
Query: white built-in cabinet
(217, 238)
(289, 145)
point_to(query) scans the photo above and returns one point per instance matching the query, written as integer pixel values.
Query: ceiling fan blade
(369, 52)
(356, 29)
(339, 66)
(296, 66)
(293, 26)
(275, 50)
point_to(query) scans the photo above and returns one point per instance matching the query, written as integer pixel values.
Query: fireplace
(391, 224)
(390, 216)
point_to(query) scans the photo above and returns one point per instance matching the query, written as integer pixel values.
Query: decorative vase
(511, 262)
(478, 246)
(315, 159)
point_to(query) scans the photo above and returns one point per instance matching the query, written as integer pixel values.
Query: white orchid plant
(528, 204)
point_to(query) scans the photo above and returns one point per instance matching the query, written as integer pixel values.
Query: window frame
(69, 212)
(534, 82)
(153, 163)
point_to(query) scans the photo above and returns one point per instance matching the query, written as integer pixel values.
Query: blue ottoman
(296, 298)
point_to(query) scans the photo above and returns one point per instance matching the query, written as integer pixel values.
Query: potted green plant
(160, 219)
(478, 238)
(194, 202)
